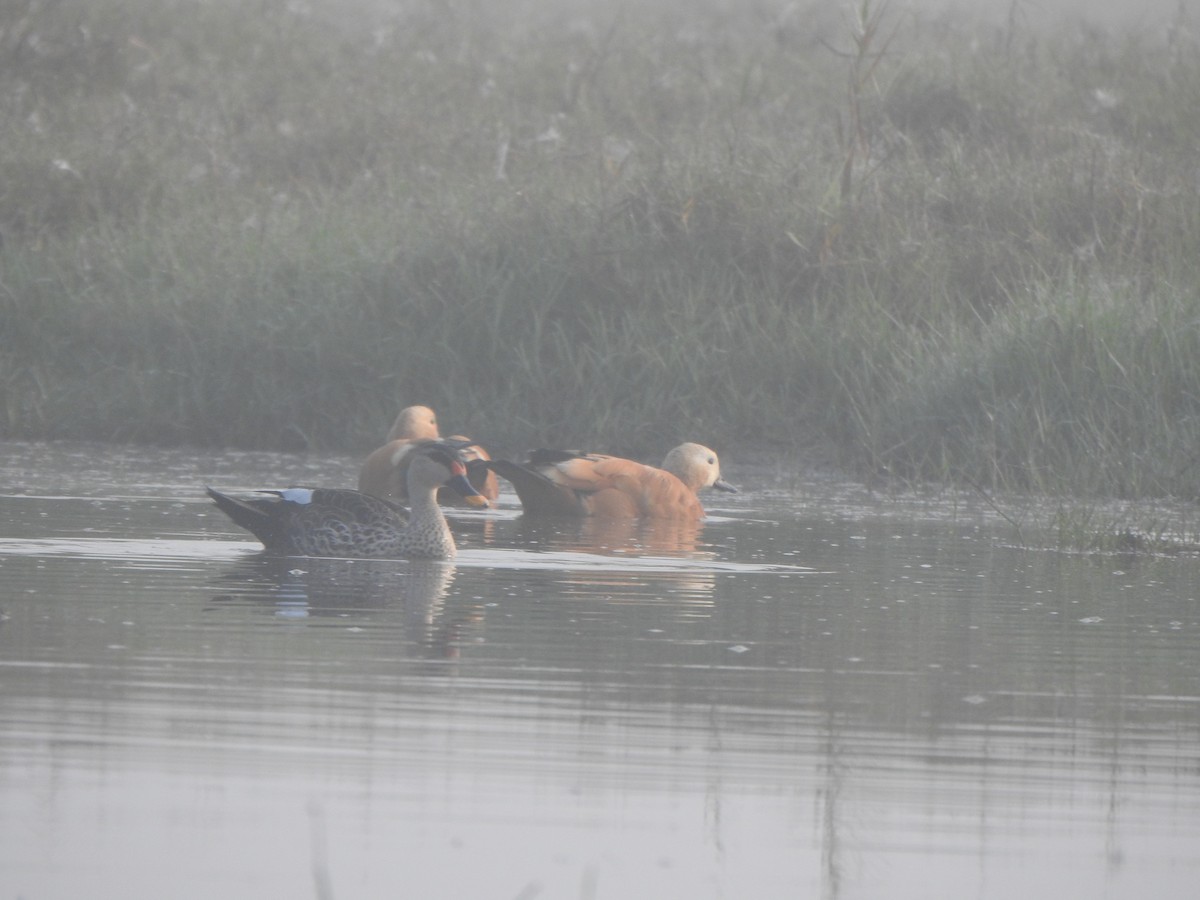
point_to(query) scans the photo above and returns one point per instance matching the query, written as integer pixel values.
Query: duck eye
(711, 460)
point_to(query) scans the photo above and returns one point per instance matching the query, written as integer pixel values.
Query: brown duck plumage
(384, 473)
(556, 482)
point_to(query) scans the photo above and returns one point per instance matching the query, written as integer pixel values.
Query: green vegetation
(896, 242)
(1090, 530)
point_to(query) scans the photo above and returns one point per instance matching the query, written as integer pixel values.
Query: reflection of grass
(904, 245)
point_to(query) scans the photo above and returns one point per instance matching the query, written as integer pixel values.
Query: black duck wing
(261, 516)
(538, 494)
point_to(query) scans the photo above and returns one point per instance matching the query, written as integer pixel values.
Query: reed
(895, 242)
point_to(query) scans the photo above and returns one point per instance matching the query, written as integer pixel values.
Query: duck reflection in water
(667, 558)
(674, 538)
(357, 591)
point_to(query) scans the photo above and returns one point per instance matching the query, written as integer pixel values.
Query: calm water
(817, 694)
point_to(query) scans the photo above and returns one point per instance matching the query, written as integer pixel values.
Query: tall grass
(887, 240)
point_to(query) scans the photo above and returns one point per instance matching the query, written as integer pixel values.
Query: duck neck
(427, 524)
(691, 479)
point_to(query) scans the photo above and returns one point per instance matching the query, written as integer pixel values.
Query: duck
(302, 521)
(569, 483)
(384, 472)
(414, 423)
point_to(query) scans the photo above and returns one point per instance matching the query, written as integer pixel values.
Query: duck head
(698, 467)
(439, 463)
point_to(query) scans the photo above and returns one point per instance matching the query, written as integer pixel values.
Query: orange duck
(559, 482)
(384, 473)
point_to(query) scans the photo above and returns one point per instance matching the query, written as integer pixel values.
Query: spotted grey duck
(347, 523)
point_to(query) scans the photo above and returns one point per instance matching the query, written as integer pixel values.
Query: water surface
(817, 693)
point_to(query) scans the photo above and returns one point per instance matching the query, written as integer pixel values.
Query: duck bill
(459, 484)
(722, 485)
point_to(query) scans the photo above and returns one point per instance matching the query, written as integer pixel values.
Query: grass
(1134, 533)
(903, 243)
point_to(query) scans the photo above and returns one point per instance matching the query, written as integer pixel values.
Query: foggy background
(1044, 13)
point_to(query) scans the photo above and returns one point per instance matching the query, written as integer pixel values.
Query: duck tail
(254, 517)
(538, 494)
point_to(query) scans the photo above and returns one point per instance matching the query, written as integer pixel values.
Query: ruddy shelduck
(559, 482)
(384, 473)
